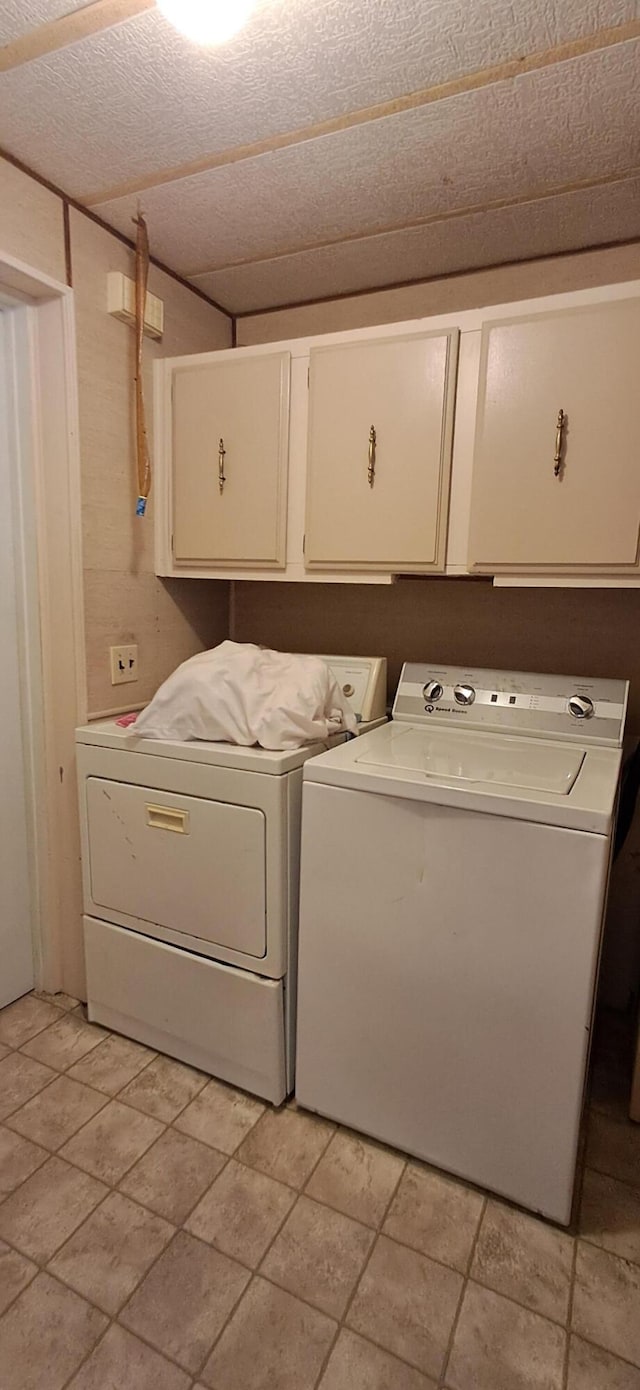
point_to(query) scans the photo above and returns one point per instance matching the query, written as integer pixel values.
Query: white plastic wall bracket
(121, 302)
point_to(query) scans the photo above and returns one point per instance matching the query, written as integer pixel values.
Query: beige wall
(123, 600)
(590, 631)
(31, 223)
(450, 620)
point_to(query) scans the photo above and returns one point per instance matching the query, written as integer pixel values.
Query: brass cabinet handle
(221, 457)
(557, 457)
(371, 470)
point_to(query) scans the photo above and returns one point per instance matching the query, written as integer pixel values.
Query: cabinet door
(230, 442)
(379, 453)
(529, 509)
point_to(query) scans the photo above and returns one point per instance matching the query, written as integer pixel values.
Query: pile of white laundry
(239, 693)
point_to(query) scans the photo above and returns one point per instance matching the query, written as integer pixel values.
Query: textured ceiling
(573, 220)
(497, 140)
(18, 17)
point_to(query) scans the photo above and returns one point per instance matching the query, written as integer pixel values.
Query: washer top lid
(576, 709)
(478, 758)
(548, 782)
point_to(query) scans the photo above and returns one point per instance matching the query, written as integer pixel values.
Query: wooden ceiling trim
(430, 220)
(68, 29)
(471, 82)
(70, 202)
(415, 281)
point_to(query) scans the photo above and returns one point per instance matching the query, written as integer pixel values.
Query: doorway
(42, 673)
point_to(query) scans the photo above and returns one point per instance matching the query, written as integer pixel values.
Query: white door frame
(46, 457)
(16, 867)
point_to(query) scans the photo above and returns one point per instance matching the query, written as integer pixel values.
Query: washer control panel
(514, 702)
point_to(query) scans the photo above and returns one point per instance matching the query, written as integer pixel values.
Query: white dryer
(190, 861)
(453, 884)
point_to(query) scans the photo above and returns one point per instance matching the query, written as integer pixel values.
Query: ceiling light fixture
(207, 21)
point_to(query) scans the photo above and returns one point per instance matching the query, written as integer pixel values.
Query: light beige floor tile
(273, 1341)
(109, 1254)
(122, 1362)
(610, 1215)
(64, 1042)
(525, 1259)
(356, 1177)
(18, 1159)
(241, 1213)
(112, 1141)
(49, 1206)
(112, 1065)
(45, 1335)
(164, 1088)
(220, 1116)
(286, 1145)
(57, 1112)
(61, 1000)
(614, 1148)
(407, 1303)
(25, 1018)
(606, 1302)
(185, 1300)
(590, 1368)
(357, 1365)
(20, 1079)
(435, 1215)
(173, 1174)
(498, 1344)
(319, 1255)
(16, 1271)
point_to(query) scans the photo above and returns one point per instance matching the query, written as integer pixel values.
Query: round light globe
(207, 21)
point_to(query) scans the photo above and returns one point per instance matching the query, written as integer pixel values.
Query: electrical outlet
(124, 664)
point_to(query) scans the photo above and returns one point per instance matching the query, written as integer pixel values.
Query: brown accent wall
(594, 632)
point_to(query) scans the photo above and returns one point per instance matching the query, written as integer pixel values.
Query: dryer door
(182, 862)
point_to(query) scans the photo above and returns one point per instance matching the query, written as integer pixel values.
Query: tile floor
(162, 1231)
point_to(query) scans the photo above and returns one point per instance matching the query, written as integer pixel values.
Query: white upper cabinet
(556, 468)
(229, 437)
(338, 458)
(379, 452)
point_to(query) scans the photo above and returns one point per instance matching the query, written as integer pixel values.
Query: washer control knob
(432, 690)
(348, 689)
(464, 694)
(581, 707)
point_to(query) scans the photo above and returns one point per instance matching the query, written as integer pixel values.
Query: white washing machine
(190, 861)
(453, 884)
